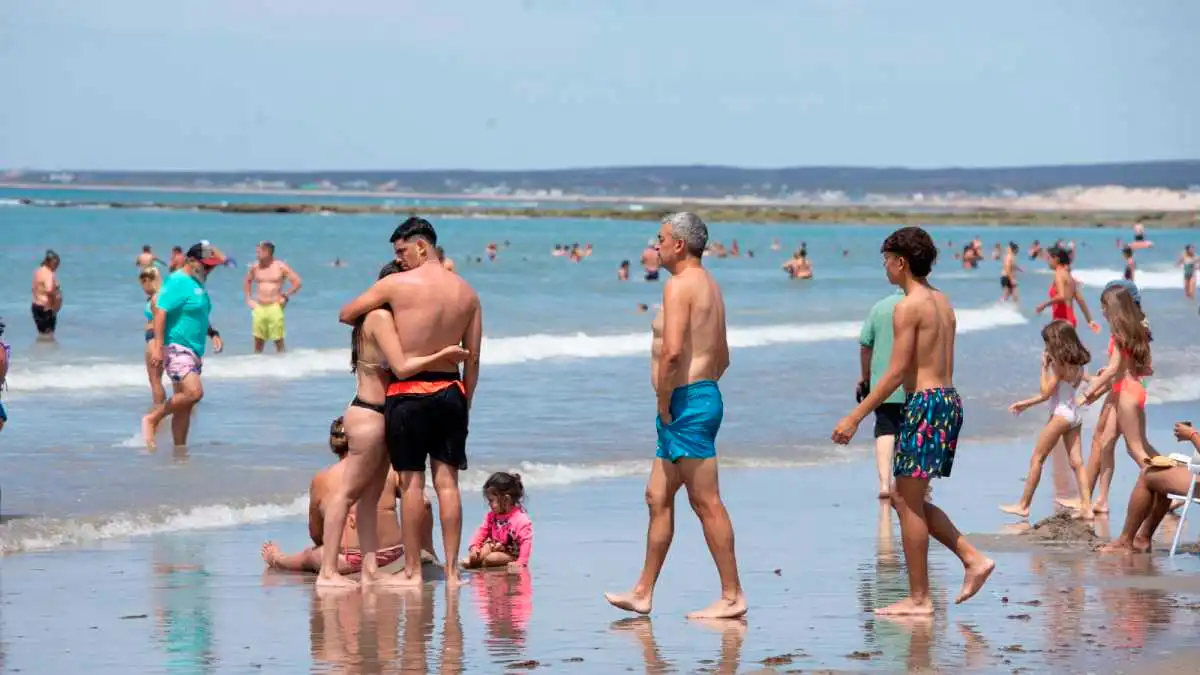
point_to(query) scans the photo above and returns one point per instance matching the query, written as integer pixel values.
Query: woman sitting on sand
(1063, 371)
(376, 356)
(1149, 503)
(349, 558)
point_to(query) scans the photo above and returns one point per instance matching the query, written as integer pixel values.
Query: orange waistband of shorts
(404, 387)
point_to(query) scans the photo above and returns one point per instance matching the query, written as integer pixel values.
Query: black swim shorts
(651, 275)
(44, 319)
(1006, 282)
(889, 417)
(428, 418)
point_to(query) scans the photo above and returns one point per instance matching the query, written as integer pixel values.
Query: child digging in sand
(505, 539)
(1063, 371)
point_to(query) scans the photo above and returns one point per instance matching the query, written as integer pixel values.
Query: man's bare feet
(1141, 544)
(270, 553)
(1100, 507)
(1088, 514)
(907, 607)
(1068, 503)
(724, 608)
(630, 602)
(148, 432)
(1015, 509)
(974, 577)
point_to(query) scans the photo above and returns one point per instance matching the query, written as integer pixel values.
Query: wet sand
(817, 554)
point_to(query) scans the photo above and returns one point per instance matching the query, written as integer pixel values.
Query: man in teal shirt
(181, 331)
(875, 353)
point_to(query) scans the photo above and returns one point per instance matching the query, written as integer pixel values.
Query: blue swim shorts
(696, 412)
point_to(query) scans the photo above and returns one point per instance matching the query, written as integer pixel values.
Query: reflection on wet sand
(182, 607)
(360, 632)
(733, 634)
(504, 601)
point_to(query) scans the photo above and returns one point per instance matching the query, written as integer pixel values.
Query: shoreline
(711, 210)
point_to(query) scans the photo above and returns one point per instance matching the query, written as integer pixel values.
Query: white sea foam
(1173, 389)
(33, 534)
(1146, 279)
(301, 363)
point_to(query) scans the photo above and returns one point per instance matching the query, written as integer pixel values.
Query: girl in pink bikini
(505, 539)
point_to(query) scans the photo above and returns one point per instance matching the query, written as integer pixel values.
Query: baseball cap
(206, 253)
(1127, 285)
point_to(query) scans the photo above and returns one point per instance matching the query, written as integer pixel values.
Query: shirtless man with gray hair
(689, 353)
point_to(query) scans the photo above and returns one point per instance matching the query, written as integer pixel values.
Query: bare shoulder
(377, 318)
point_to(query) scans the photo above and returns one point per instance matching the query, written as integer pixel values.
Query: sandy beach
(813, 571)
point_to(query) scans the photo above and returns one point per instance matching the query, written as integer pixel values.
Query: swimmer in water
(799, 267)
(1188, 262)
(1130, 265)
(1139, 238)
(147, 258)
(650, 261)
(623, 271)
(1008, 277)
(47, 297)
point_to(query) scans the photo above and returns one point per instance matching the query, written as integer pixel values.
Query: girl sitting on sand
(1063, 371)
(505, 539)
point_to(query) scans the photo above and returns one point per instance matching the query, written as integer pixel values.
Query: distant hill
(651, 181)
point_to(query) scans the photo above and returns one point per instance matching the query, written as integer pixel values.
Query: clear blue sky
(494, 84)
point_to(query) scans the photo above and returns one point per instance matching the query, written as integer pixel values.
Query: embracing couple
(412, 329)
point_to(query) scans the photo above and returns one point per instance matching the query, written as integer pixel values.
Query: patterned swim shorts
(929, 437)
(181, 362)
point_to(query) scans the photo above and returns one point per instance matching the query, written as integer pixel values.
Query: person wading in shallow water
(689, 353)
(923, 362)
(181, 331)
(47, 297)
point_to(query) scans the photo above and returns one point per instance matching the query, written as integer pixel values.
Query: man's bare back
(927, 314)
(433, 308)
(704, 353)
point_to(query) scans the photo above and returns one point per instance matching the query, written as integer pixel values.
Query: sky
(538, 84)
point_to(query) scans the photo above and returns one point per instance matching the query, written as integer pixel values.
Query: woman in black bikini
(376, 356)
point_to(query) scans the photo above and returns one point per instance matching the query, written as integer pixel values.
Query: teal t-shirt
(878, 334)
(186, 304)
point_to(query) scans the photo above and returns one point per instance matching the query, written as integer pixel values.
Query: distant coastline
(635, 209)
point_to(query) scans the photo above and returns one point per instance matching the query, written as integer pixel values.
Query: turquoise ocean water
(564, 394)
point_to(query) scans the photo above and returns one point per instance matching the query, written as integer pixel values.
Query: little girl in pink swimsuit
(505, 539)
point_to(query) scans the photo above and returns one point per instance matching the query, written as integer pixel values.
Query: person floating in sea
(689, 354)
(1188, 260)
(923, 362)
(1139, 238)
(181, 332)
(349, 556)
(623, 271)
(47, 296)
(1008, 277)
(875, 353)
(269, 300)
(151, 283)
(1063, 370)
(505, 539)
(426, 414)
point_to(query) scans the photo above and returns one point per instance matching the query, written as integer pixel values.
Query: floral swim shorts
(929, 437)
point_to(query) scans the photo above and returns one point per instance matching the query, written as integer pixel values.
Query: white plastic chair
(1193, 466)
